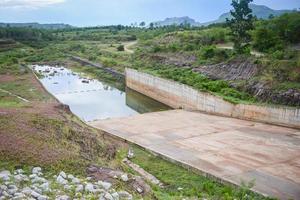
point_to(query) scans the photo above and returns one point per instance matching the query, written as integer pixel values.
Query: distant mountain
(260, 11)
(37, 25)
(176, 21)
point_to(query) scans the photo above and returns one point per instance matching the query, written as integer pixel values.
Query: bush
(278, 54)
(208, 52)
(121, 48)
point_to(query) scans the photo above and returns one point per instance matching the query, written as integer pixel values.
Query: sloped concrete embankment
(179, 95)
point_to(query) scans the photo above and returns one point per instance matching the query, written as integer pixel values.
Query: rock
(4, 193)
(115, 195)
(79, 188)
(67, 187)
(39, 180)
(104, 185)
(125, 195)
(130, 154)
(108, 196)
(26, 191)
(63, 197)
(62, 174)
(34, 194)
(36, 170)
(19, 171)
(5, 175)
(139, 185)
(61, 180)
(71, 177)
(90, 188)
(19, 196)
(75, 181)
(45, 187)
(3, 187)
(20, 177)
(43, 197)
(124, 177)
(32, 176)
(12, 189)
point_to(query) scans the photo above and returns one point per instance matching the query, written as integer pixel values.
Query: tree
(240, 24)
(151, 25)
(142, 24)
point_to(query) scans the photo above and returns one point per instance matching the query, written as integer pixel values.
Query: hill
(260, 11)
(37, 25)
(176, 21)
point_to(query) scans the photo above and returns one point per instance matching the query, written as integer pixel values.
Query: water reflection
(91, 99)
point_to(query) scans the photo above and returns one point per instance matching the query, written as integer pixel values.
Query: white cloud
(27, 3)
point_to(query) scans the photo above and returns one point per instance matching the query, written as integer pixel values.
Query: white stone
(62, 174)
(19, 171)
(104, 185)
(4, 193)
(3, 187)
(124, 177)
(61, 180)
(39, 180)
(36, 170)
(5, 175)
(115, 195)
(63, 197)
(90, 188)
(79, 188)
(89, 178)
(32, 176)
(75, 181)
(130, 154)
(43, 197)
(108, 196)
(20, 177)
(35, 194)
(71, 177)
(67, 187)
(19, 196)
(12, 189)
(125, 195)
(45, 187)
(26, 190)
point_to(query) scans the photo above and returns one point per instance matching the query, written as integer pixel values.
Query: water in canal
(92, 99)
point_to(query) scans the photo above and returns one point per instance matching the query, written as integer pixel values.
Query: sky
(107, 12)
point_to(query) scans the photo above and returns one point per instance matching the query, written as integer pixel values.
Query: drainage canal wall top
(178, 95)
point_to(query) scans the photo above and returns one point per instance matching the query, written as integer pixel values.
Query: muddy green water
(92, 99)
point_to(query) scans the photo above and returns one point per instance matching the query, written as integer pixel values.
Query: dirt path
(127, 46)
(230, 47)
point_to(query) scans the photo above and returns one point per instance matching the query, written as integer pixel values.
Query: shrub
(208, 52)
(120, 48)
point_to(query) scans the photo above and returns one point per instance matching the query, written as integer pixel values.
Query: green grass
(194, 186)
(187, 76)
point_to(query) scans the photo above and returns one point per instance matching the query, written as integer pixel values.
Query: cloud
(28, 3)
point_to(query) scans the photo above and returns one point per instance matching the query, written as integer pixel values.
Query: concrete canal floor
(230, 149)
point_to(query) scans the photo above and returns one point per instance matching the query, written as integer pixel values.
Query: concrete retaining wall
(179, 95)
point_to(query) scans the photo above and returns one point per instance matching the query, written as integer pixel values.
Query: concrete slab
(229, 149)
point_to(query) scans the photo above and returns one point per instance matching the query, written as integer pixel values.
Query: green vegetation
(179, 182)
(240, 24)
(275, 34)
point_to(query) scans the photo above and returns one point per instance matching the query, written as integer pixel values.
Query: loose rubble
(19, 185)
